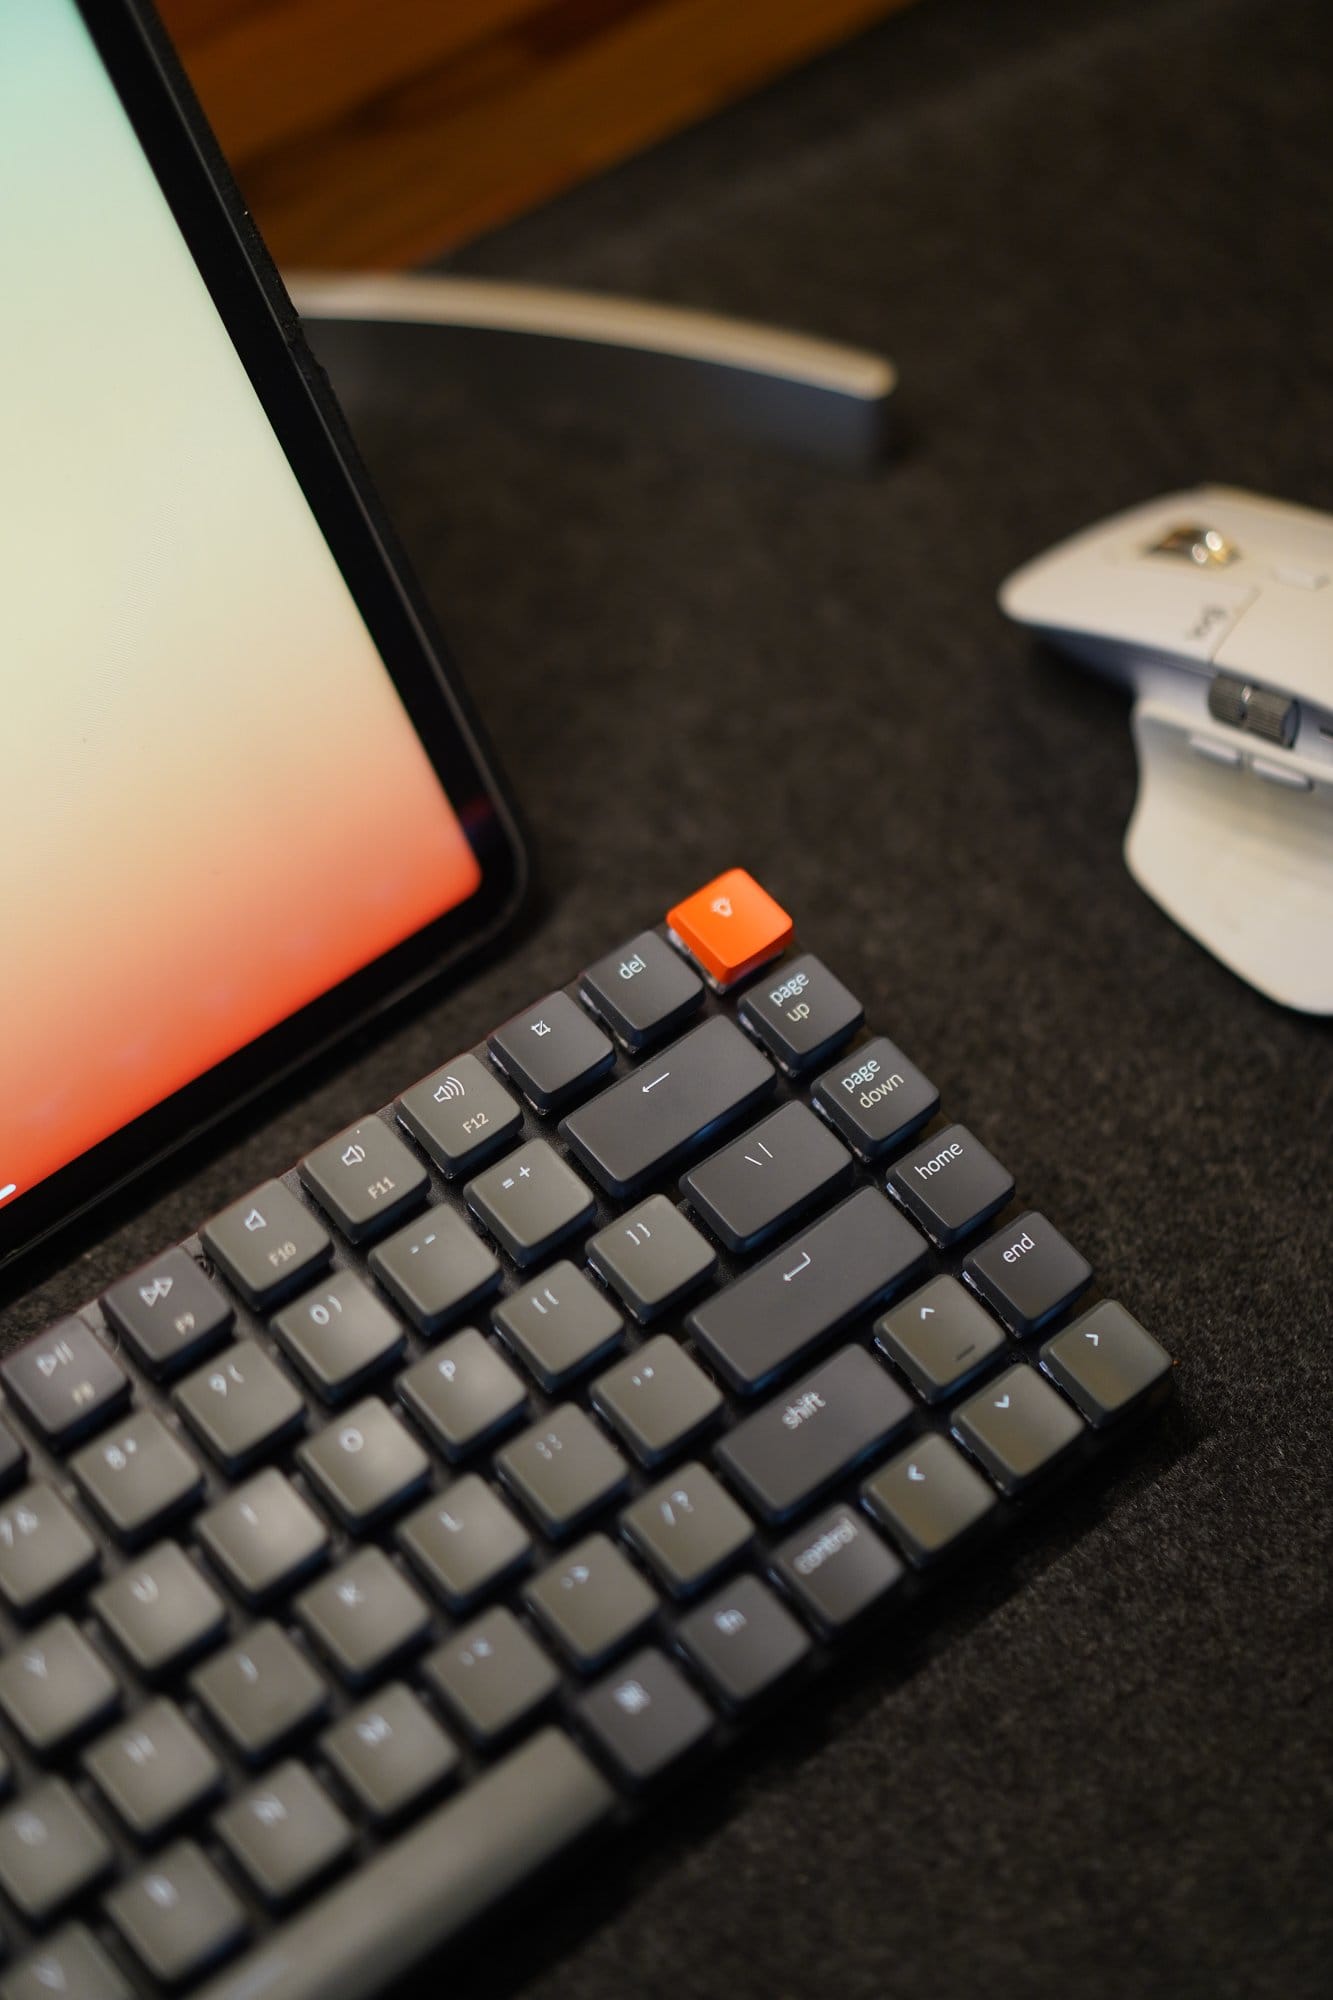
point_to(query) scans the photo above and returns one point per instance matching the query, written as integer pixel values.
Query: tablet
(243, 802)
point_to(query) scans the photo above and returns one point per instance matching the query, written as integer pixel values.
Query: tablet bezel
(266, 332)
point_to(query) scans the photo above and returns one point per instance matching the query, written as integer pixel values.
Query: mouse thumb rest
(1242, 862)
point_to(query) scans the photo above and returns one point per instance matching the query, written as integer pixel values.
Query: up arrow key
(927, 1312)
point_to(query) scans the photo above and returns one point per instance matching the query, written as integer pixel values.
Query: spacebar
(355, 1940)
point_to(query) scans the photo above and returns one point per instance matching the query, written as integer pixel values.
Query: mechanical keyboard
(447, 1495)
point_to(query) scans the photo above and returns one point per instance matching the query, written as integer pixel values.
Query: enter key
(849, 1261)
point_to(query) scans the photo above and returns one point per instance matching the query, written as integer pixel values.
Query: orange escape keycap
(730, 926)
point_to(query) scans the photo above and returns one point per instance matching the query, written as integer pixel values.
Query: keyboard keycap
(644, 991)
(1106, 1362)
(552, 1051)
(800, 1012)
(743, 1641)
(431, 1882)
(240, 1406)
(644, 1717)
(44, 1550)
(339, 1336)
(54, 1688)
(463, 1393)
(1028, 1272)
(465, 1541)
(1018, 1426)
(929, 1498)
(66, 1383)
(827, 1422)
(72, 1965)
(365, 1179)
(160, 1611)
(591, 1602)
(562, 1469)
(390, 1754)
(560, 1324)
(366, 1466)
(838, 1267)
(264, 1538)
(155, 1770)
(491, 1676)
(364, 1617)
(688, 1529)
(261, 1692)
(669, 1107)
(874, 1097)
(784, 1166)
(269, 1244)
(657, 1400)
(178, 1917)
(461, 1115)
(13, 1459)
(531, 1202)
(169, 1312)
(284, 1834)
(730, 927)
(950, 1184)
(436, 1269)
(652, 1257)
(836, 1568)
(939, 1337)
(51, 1850)
(138, 1477)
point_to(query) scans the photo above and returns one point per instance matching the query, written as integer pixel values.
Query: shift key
(666, 1108)
(841, 1266)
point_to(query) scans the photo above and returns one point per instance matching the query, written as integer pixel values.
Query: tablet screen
(213, 803)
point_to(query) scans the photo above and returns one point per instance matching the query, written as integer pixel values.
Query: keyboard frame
(915, 1589)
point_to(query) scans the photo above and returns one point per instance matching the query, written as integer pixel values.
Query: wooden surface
(374, 133)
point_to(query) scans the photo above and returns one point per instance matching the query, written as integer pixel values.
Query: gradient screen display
(200, 745)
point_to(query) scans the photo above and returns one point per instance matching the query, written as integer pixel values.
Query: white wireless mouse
(1215, 607)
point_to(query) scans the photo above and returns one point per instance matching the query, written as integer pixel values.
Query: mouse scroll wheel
(1259, 710)
(1206, 548)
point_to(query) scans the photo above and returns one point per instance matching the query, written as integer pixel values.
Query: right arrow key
(1107, 1362)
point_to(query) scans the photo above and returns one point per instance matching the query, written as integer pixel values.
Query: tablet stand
(519, 340)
